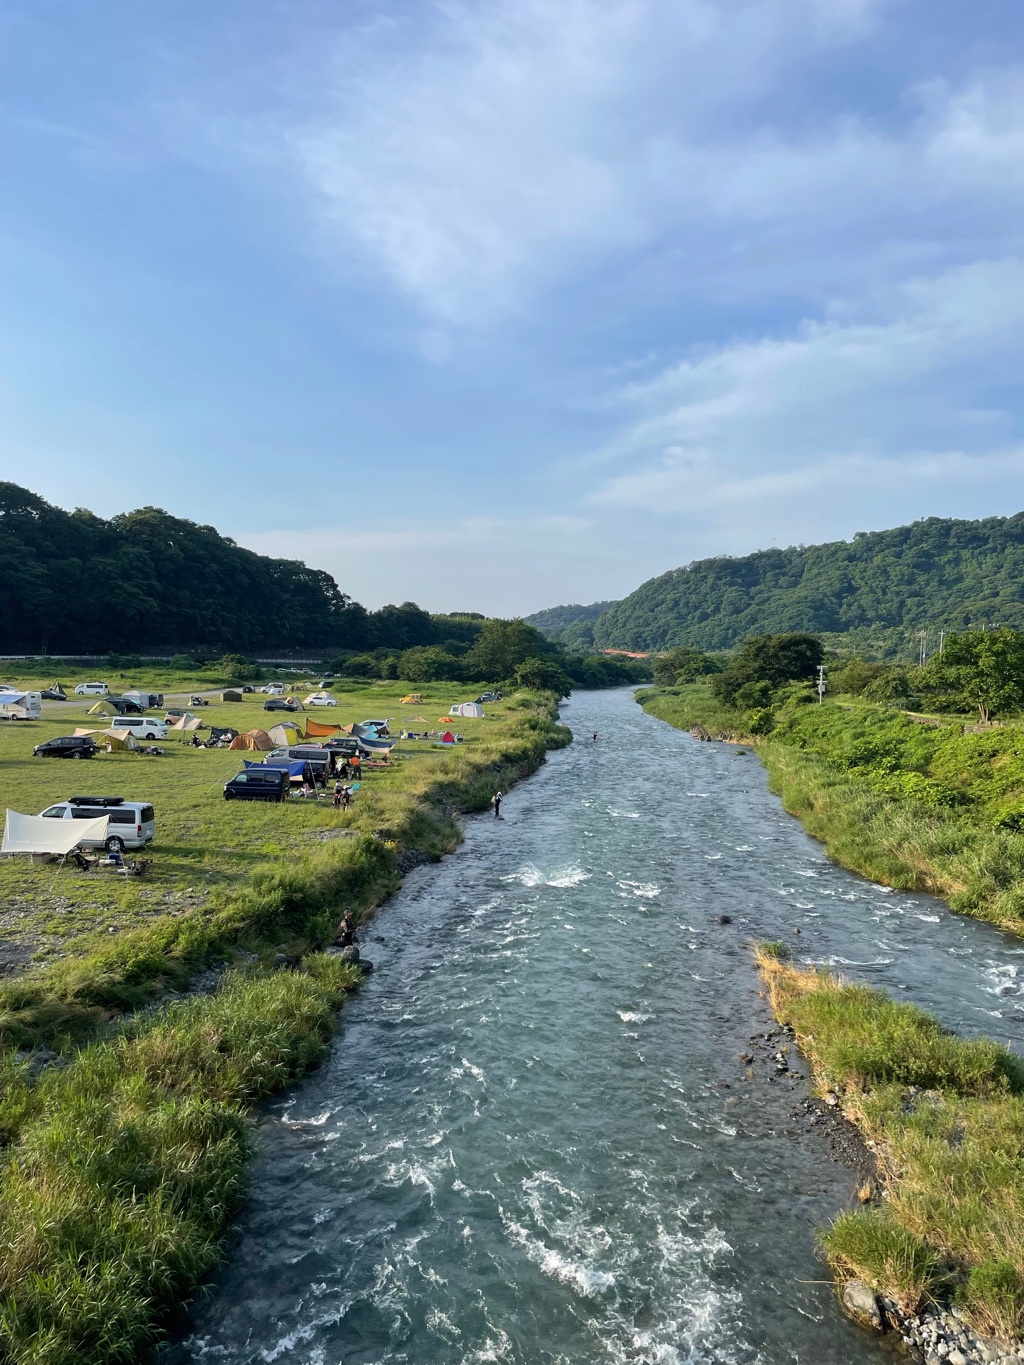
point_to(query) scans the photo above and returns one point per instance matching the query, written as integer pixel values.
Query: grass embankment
(920, 807)
(121, 1169)
(945, 1117)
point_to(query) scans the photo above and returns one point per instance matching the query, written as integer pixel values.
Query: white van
(132, 823)
(92, 689)
(142, 727)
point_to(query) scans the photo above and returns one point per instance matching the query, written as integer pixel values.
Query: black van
(258, 784)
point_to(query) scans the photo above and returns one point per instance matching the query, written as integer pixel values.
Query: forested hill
(73, 581)
(572, 626)
(934, 573)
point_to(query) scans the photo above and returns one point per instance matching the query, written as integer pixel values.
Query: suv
(92, 689)
(282, 704)
(136, 825)
(261, 783)
(68, 746)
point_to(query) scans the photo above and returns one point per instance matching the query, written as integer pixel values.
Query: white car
(273, 690)
(320, 699)
(92, 689)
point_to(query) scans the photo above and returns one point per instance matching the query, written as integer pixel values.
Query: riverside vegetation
(925, 802)
(944, 1117)
(123, 1099)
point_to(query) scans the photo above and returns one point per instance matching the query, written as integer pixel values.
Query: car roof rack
(95, 800)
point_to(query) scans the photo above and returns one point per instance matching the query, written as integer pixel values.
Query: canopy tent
(285, 733)
(34, 834)
(253, 739)
(317, 727)
(417, 720)
(115, 739)
(293, 767)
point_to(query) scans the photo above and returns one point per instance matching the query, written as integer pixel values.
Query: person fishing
(347, 930)
(496, 800)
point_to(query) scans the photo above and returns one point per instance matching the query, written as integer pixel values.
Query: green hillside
(879, 587)
(572, 626)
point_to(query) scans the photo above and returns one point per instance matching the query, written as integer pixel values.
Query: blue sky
(497, 305)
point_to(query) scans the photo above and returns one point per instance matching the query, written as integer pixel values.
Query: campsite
(204, 844)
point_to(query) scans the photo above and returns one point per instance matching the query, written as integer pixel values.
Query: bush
(994, 1297)
(870, 1245)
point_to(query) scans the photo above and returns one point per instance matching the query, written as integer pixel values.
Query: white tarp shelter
(34, 834)
(471, 709)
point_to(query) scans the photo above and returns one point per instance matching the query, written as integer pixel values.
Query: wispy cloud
(852, 399)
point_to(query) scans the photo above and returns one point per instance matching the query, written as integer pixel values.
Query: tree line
(938, 571)
(74, 582)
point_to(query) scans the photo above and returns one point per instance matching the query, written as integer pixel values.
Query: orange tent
(254, 739)
(316, 727)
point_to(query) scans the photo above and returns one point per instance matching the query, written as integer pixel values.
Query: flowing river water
(533, 1141)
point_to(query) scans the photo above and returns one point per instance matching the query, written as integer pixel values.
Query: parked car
(66, 746)
(320, 699)
(143, 727)
(273, 690)
(197, 700)
(258, 784)
(488, 696)
(135, 820)
(247, 688)
(92, 689)
(54, 693)
(126, 706)
(282, 704)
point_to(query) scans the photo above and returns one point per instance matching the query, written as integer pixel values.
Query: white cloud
(844, 400)
(480, 152)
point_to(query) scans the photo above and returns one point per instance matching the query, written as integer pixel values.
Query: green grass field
(203, 842)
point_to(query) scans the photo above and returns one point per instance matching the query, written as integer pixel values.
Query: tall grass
(129, 1162)
(944, 1116)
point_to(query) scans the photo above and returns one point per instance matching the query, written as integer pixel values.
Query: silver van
(132, 823)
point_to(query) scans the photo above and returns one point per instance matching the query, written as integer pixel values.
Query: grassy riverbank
(944, 1117)
(914, 804)
(124, 1159)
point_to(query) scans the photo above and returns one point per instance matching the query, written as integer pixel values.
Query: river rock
(956, 1357)
(723, 919)
(350, 954)
(861, 1302)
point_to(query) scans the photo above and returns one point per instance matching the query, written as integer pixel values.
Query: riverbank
(911, 806)
(943, 1117)
(125, 1133)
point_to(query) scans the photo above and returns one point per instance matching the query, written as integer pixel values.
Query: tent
(34, 834)
(119, 739)
(231, 696)
(447, 738)
(285, 733)
(471, 709)
(186, 724)
(413, 699)
(293, 767)
(103, 708)
(316, 727)
(254, 739)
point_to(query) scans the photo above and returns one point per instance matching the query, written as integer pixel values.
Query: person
(346, 797)
(307, 790)
(496, 803)
(595, 736)
(337, 794)
(347, 930)
(195, 741)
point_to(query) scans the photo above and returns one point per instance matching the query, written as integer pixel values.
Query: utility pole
(821, 684)
(923, 655)
(942, 642)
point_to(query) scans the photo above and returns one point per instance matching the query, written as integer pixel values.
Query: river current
(533, 1141)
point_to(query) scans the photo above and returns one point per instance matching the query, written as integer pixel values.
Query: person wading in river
(496, 803)
(346, 930)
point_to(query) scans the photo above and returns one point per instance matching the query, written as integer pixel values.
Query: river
(533, 1141)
